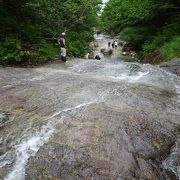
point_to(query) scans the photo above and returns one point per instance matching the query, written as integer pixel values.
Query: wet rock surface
(88, 119)
(4, 119)
(172, 66)
(115, 146)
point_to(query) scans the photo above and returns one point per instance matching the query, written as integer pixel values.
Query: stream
(90, 119)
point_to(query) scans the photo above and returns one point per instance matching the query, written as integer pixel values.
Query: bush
(135, 34)
(76, 49)
(151, 46)
(167, 49)
(171, 49)
(78, 43)
(47, 52)
(11, 51)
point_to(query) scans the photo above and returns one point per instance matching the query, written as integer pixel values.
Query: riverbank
(172, 66)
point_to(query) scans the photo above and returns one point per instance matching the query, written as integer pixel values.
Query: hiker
(115, 44)
(87, 56)
(62, 43)
(109, 44)
(97, 57)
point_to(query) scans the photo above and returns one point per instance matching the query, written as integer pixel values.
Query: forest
(29, 27)
(151, 27)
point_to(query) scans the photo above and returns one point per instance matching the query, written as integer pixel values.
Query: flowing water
(89, 119)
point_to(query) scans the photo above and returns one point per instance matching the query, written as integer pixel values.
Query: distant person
(115, 44)
(109, 44)
(87, 56)
(97, 57)
(62, 43)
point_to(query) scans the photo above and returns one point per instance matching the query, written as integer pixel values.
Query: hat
(63, 34)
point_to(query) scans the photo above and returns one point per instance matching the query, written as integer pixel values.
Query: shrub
(172, 49)
(76, 49)
(11, 51)
(155, 44)
(135, 34)
(162, 43)
(47, 52)
(78, 43)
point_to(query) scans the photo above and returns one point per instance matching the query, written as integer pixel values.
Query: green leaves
(11, 51)
(127, 12)
(134, 34)
(77, 43)
(46, 52)
(171, 49)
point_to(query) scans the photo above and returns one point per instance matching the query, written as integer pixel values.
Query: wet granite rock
(172, 66)
(134, 68)
(55, 161)
(172, 162)
(133, 150)
(106, 52)
(4, 119)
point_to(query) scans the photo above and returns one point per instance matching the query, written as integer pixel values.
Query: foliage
(122, 13)
(134, 34)
(77, 46)
(166, 36)
(171, 50)
(47, 51)
(11, 51)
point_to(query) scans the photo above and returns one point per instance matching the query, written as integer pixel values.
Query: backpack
(61, 42)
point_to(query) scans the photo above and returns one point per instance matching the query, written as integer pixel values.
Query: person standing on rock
(115, 44)
(62, 43)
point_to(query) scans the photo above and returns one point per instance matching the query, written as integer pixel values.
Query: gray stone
(172, 66)
(4, 119)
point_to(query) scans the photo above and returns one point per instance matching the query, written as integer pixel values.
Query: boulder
(172, 66)
(103, 50)
(106, 52)
(134, 68)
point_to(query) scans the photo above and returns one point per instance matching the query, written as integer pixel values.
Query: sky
(104, 1)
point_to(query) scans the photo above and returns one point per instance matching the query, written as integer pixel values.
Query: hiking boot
(63, 59)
